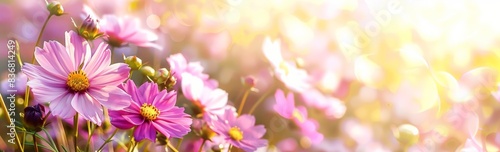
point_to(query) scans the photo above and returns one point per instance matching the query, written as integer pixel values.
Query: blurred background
(374, 66)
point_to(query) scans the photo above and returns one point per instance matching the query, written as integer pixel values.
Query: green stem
(75, 126)
(90, 130)
(171, 146)
(108, 140)
(18, 54)
(27, 93)
(179, 143)
(260, 100)
(10, 122)
(132, 145)
(35, 143)
(40, 37)
(243, 100)
(202, 144)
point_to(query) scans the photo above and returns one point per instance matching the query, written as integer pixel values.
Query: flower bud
(34, 117)
(133, 62)
(165, 78)
(148, 71)
(55, 8)
(249, 81)
(90, 29)
(407, 135)
(162, 75)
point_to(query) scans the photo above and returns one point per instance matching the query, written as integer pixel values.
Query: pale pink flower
(294, 78)
(73, 80)
(125, 30)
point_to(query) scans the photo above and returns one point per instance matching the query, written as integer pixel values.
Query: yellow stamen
(235, 133)
(149, 112)
(77, 81)
(296, 114)
(285, 67)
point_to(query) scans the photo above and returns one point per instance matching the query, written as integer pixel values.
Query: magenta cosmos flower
(239, 131)
(74, 80)
(121, 31)
(179, 65)
(209, 102)
(151, 110)
(285, 106)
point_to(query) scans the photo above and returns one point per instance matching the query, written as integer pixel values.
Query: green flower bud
(407, 135)
(147, 71)
(165, 78)
(55, 8)
(162, 75)
(133, 62)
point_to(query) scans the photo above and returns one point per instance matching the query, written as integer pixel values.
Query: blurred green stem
(261, 99)
(75, 126)
(243, 100)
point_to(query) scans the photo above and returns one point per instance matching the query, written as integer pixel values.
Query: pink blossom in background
(127, 30)
(240, 131)
(285, 106)
(294, 78)
(211, 102)
(179, 65)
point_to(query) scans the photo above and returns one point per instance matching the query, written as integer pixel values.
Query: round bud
(407, 135)
(148, 71)
(133, 62)
(55, 8)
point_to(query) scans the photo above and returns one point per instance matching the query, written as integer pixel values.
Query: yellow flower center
(296, 114)
(285, 67)
(235, 133)
(149, 112)
(77, 81)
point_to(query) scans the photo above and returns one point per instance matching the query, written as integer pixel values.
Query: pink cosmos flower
(210, 102)
(285, 106)
(151, 110)
(121, 31)
(239, 131)
(74, 80)
(294, 78)
(179, 65)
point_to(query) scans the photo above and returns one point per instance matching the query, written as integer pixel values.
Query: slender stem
(260, 100)
(45, 119)
(202, 144)
(108, 140)
(132, 145)
(18, 54)
(35, 143)
(179, 143)
(75, 124)
(10, 122)
(40, 37)
(169, 145)
(90, 130)
(27, 93)
(243, 100)
(230, 147)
